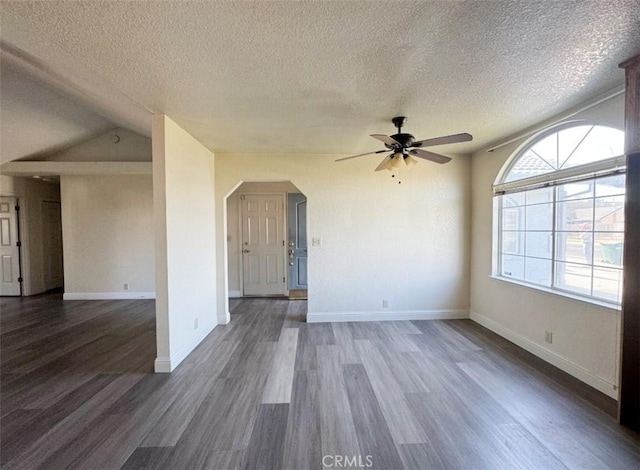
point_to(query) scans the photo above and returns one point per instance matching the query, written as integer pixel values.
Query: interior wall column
(629, 404)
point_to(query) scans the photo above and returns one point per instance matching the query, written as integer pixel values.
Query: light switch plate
(316, 241)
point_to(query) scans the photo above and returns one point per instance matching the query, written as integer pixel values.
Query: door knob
(246, 251)
(291, 252)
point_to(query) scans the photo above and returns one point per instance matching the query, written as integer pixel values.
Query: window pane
(513, 218)
(611, 185)
(575, 215)
(609, 214)
(528, 164)
(547, 149)
(607, 283)
(581, 190)
(513, 266)
(539, 217)
(599, 144)
(608, 249)
(538, 196)
(569, 139)
(538, 244)
(511, 200)
(573, 277)
(538, 271)
(570, 247)
(513, 242)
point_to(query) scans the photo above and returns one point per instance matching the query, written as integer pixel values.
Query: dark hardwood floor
(269, 391)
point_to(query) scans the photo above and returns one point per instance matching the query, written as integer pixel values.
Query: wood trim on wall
(629, 403)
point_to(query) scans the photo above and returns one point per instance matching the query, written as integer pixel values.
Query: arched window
(560, 205)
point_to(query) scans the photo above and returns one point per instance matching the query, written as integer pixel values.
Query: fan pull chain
(393, 175)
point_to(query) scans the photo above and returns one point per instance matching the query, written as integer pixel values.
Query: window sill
(600, 303)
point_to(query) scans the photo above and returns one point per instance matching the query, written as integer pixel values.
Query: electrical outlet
(195, 324)
(385, 304)
(126, 286)
(548, 337)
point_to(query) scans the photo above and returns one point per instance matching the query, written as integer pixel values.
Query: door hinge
(18, 243)
(17, 208)
(282, 242)
(20, 279)
(283, 279)
(242, 197)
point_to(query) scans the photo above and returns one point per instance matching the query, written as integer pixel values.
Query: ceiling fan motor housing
(403, 139)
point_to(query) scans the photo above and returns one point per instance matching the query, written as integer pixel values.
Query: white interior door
(263, 249)
(52, 244)
(9, 248)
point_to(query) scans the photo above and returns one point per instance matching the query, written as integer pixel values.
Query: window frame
(591, 172)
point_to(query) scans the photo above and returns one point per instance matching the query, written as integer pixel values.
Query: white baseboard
(235, 294)
(108, 295)
(549, 356)
(162, 365)
(166, 364)
(387, 315)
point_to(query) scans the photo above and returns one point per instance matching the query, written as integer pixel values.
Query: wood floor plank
(371, 427)
(390, 397)
(348, 352)
(420, 456)
(148, 458)
(167, 430)
(195, 447)
(306, 355)
(338, 433)
(74, 424)
(302, 448)
(22, 430)
(280, 380)
(266, 446)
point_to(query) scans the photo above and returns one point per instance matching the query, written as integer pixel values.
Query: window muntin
(565, 236)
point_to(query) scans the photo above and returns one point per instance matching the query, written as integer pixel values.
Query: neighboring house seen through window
(560, 208)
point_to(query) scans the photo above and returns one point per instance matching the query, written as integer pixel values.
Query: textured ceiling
(318, 77)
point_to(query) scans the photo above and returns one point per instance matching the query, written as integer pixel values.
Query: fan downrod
(399, 121)
(403, 139)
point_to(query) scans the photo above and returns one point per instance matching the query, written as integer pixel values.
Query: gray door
(297, 221)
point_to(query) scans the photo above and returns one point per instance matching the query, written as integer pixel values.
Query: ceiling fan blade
(386, 139)
(432, 157)
(361, 155)
(447, 139)
(384, 164)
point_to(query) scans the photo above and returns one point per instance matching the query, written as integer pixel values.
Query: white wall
(107, 233)
(585, 336)
(117, 145)
(30, 193)
(406, 243)
(234, 233)
(185, 242)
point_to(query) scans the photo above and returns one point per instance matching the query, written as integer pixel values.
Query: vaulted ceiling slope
(37, 120)
(318, 77)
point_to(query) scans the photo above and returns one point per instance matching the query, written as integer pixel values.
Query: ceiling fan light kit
(404, 147)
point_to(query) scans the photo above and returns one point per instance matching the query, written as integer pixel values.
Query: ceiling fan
(404, 147)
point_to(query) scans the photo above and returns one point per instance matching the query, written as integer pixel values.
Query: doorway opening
(30, 236)
(267, 241)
